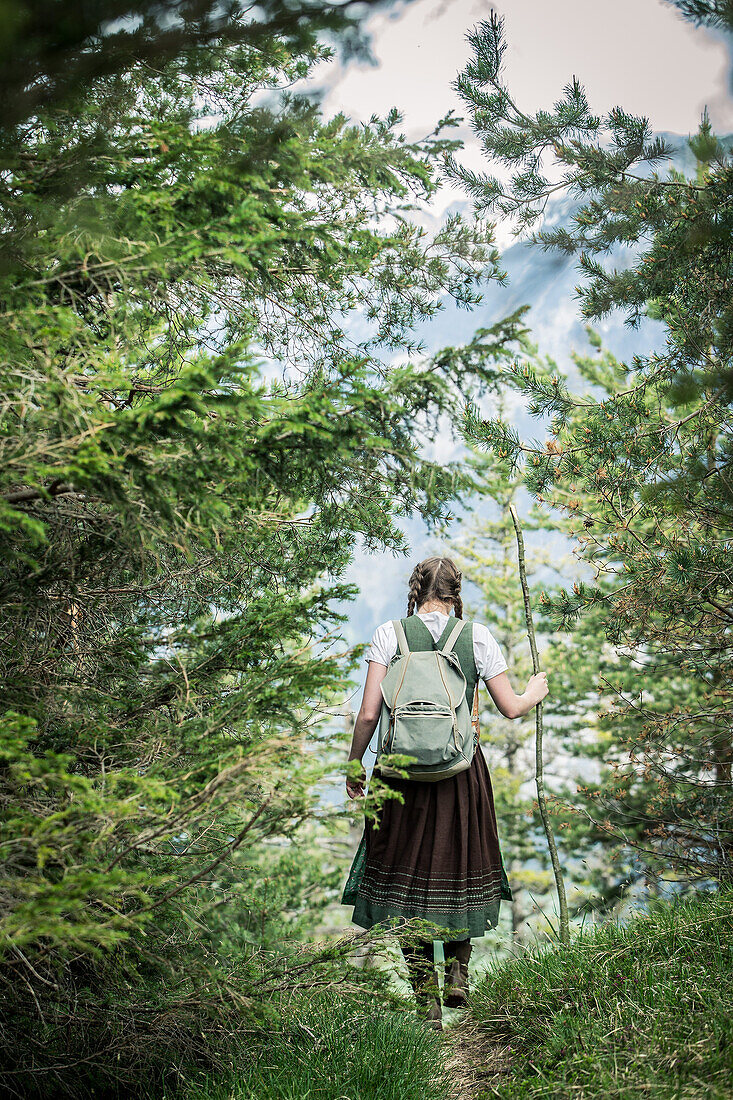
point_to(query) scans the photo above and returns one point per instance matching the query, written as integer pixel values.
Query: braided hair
(435, 579)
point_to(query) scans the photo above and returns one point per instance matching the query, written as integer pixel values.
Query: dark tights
(454, 947)
(419, 957)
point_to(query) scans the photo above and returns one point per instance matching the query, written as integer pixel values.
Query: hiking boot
(455, 990)
(427, 997)
(424, 982)
(434, 1015)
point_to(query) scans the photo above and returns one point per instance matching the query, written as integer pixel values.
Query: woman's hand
(516, 706)
(355, 785)
(366, 722)
(536, 688)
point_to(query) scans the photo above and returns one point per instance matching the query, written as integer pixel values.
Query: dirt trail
(476, 1063)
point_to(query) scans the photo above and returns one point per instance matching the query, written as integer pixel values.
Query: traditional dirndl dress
(437, 854)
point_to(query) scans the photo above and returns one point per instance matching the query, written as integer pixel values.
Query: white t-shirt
(489, 658)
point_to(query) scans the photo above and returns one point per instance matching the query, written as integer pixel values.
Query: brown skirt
(435, 856)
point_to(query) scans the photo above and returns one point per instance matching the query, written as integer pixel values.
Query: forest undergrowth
(640, 1009)
(626, 1010)
(219, 401)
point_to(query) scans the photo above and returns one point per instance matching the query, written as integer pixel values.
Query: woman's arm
(512, 705)
(366, 722)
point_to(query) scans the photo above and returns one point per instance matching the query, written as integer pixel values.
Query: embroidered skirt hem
(474, 924)
(436, 856)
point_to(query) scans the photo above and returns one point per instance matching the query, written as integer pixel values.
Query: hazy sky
(638, 54)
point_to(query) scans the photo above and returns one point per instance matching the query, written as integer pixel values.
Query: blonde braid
(435, 578)
(454, 585)
(416, 586)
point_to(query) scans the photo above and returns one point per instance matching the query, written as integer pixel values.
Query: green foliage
(59, 820)
(333, 1047)
(625, 1008)
(712, 13)
(640, 463)
(51, 52)
(496, 435)
(202, 278)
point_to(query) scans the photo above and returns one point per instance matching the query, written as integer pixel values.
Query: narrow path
(477, 1064)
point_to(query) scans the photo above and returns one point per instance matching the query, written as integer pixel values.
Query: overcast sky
(640, 54)
(637, 54)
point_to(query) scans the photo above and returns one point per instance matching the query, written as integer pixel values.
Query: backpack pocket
(424, 731)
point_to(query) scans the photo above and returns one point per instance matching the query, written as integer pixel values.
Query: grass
(331, 1049)
(642, 1010)
(623, 1012)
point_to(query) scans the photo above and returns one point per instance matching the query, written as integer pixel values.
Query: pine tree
(488, 559)
(645, 472)
(193, 440)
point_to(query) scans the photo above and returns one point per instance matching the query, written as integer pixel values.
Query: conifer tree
(645, 472)
(193, 440)
(573, 658)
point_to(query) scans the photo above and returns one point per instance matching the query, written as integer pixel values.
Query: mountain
(546, 282)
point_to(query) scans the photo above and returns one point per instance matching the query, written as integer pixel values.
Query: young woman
(436, 855)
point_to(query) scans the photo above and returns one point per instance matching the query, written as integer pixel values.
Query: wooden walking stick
(539, 777)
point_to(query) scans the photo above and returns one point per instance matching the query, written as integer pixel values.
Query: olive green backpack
(425, 713)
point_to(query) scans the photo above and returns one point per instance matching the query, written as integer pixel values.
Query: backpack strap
(474, 716)
(453, 636)
(401, 637)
